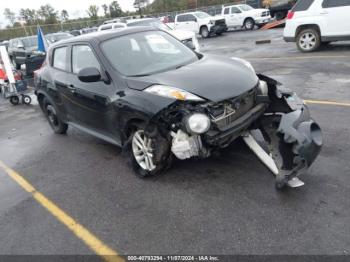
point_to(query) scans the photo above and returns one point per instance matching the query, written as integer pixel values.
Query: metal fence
(10, 33)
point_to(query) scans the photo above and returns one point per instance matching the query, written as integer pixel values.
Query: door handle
(324, 13)
(71, 88)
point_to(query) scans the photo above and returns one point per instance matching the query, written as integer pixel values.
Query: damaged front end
(274, 123)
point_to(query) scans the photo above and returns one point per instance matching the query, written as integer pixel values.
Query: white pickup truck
(245, 16)
(200, 23)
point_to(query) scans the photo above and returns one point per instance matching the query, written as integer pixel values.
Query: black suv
(22, 49)
(142, 89)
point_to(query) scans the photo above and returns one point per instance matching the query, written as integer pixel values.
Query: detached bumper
(218, 29)
(294, 138)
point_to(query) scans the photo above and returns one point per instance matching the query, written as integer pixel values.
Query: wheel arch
(249, 17)
(307, 26)
(202, 26)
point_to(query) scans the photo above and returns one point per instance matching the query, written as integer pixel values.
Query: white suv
(311, 23)
(245, 16)
(200, 23)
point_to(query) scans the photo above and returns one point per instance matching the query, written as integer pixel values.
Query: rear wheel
(204, 32)
(308, 40)
(51, 114)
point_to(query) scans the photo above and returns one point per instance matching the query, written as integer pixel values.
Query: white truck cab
(312, 23)
(245, 16)
(200, 23)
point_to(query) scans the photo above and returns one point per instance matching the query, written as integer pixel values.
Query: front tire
(148, 151)
(55, 122)
(308, 40)
(249, 24)
(204, 32)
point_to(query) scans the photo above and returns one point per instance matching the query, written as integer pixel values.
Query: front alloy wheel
(143, 151)
(308, 40)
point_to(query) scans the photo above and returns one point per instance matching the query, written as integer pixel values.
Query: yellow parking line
(318, 102)
(95, 244)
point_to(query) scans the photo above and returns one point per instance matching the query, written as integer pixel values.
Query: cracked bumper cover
(293, 137)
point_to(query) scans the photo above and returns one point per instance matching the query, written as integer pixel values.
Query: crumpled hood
(214, 78)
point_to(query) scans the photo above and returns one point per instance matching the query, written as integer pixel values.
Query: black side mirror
(89, 75)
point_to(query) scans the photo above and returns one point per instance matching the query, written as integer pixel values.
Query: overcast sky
(75, 8)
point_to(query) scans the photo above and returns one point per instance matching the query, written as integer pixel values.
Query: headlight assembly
(172, 92)
(198, 123)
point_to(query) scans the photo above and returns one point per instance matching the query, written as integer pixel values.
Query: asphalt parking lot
(223, 205)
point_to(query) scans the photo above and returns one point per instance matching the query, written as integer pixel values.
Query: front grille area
(265, 13)
(224, 113)
(220, 22)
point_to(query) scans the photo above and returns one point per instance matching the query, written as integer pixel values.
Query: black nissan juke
(143, 90)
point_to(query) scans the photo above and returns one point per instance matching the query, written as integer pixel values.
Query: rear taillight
(290, 15)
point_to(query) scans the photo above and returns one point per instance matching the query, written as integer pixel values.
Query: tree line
(46, 14)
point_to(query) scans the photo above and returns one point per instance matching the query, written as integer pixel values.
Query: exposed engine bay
(266, 115)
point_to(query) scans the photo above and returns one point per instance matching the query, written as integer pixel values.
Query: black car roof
(105, 35)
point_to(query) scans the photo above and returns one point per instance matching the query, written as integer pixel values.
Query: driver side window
(83, 57)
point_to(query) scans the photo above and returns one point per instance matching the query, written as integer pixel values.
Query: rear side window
(106, 27)
(181, 18)
(226, 10)
(60, 58)
(235, 10)
(302, 5)
(335, 3)
(83, 57)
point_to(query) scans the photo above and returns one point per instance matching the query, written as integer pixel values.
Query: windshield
(30, 41)
(151, 22)
(57, 37)
(201, 15)
(246, 7)
(146, 53)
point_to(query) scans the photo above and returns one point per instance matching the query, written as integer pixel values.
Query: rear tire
(308, 40)
(55, 122)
